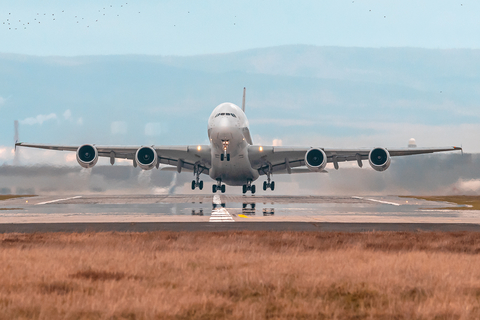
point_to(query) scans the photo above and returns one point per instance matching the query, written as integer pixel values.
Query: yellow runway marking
(243, 216)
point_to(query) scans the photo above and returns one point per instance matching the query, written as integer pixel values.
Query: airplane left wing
(182, 157)
(285, 159)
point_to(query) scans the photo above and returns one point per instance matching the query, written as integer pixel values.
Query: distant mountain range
(298, 94)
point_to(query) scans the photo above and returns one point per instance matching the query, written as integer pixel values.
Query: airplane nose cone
(224, 122)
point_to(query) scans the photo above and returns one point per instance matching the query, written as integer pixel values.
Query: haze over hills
(298, 95)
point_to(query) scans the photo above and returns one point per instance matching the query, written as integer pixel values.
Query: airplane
(232, 158)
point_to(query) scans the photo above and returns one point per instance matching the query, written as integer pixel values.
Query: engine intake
(87, 156)
(315, 159)
(379, 159)
(146, 158)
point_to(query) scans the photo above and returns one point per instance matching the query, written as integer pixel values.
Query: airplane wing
(285, 159)
(182, 157)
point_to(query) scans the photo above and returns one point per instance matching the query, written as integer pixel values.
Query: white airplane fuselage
(229, 139)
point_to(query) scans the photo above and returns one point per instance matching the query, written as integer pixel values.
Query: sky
(204, 27)
(322, 73)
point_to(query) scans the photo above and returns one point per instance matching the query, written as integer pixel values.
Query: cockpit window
(225, 114)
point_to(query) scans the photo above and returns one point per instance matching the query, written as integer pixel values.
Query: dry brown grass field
(240, 275)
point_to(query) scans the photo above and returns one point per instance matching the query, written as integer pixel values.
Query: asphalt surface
(226, 226)
(207, 212)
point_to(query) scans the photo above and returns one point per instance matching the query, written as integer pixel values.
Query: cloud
(40, 119)
(467, 187)
(277, 142)
(118, 127)
(155, 129)
(284, 122)
(5, 153)
(67, 114)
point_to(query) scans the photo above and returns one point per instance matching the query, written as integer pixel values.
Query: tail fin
(243, 102)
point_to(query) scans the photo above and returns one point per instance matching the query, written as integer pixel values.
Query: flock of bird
(12, 22)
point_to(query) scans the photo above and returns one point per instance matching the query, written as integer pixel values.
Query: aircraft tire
(264, 185)
(244, 188)
(222, 157)
(193, 185)
(253, 189)
(272, 185)
(201, 185)
(223, 188)
(228, 157)
(214, 189)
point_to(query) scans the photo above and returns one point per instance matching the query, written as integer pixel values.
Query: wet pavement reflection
(231, 207)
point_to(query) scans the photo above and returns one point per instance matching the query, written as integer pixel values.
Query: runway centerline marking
(219, 213)
(58, 200)
(375, 200)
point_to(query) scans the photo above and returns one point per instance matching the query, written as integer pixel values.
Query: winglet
(243, 102)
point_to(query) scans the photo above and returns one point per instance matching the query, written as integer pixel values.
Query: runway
(207, 212)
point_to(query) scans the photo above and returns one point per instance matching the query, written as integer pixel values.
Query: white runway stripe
(58, 200)
(379, 201)
(220, 214)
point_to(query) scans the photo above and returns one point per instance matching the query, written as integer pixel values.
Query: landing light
(199, 148)
(260, 149)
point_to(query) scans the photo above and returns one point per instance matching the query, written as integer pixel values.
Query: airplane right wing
(279, 160)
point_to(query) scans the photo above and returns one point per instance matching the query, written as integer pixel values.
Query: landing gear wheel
(214, 188)
(223, 188)
(193, 185)
(272, 185)
(253, 189)
(264, 185)
(222, 157)
(200, 186)
(244, 189)
(228, 157)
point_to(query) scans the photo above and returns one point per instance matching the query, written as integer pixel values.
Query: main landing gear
(248, 187)
(218, 187)
(197, 182)
(269, 184)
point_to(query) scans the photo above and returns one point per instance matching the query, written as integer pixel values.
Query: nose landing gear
(224, 156)
(249, 187)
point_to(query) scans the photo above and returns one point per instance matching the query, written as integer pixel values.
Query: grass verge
(240, 275)
(462, 202)
(11, 196)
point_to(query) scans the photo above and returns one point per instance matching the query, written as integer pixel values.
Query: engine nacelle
(315, 160)
(379, 159)
(146, 158)
(87, 156)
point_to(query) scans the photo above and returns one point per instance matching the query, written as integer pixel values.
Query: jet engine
(87, 156)
(146, 158)
(379, 159)
(315, 159)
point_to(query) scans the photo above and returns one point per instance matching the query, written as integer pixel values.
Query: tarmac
(219, 212)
